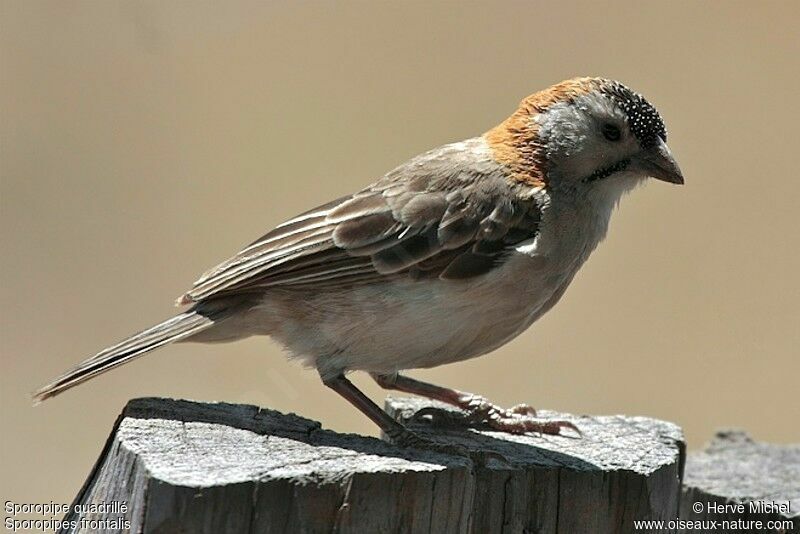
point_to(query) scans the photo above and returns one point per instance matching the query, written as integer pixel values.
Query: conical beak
(659, 163)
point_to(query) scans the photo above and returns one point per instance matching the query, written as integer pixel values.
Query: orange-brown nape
(515, 141)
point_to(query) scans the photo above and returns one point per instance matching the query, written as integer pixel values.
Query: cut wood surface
(735, 471)
(622, 469)
(184, 466)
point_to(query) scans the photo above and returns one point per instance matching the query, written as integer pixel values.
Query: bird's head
(585, 134)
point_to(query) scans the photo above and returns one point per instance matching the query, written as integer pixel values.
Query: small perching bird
(445, 258)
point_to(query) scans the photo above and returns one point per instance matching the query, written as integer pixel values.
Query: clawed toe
(479, 407)
(519, 419)
(519, 425)
(478, 412)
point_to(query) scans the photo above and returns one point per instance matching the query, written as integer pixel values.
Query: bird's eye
(611, 132)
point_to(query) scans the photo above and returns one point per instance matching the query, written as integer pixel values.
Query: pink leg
(397, 433)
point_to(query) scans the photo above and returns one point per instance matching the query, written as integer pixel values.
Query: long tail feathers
(174, 329)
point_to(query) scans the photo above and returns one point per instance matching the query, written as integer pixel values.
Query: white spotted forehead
(583, 113)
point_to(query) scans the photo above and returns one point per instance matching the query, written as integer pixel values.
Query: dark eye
(611, 132)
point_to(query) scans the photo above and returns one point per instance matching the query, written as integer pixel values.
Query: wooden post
(743, 485)
(182, 466)
(622, 469)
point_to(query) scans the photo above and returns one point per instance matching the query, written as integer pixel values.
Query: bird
(447, 257)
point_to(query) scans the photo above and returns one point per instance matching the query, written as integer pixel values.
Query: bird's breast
(402, 323)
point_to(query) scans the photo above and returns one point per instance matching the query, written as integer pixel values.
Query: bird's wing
(451, 213)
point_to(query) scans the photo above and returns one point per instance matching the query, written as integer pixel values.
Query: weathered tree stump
(622, 469)
(192, 467)
(743, 486)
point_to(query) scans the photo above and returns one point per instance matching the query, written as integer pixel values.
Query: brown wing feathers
(453, 226)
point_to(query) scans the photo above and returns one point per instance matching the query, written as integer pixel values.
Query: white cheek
(575, 146)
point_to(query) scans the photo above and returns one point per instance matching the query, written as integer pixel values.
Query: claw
(522, 426)
(518, 419)
(477, 411)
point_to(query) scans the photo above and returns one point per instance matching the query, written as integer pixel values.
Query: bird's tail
(177, 328)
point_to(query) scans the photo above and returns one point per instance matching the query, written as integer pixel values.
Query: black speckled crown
(643, 119)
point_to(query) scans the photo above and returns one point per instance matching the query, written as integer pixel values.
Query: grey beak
(658, 162)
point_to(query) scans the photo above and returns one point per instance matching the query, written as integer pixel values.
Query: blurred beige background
(143, 142)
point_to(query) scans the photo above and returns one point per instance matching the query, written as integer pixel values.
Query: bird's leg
(518, 419)
(397, 433)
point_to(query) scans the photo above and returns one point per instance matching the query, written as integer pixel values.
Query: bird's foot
(477, 411)
(523, 425)
(480, 409)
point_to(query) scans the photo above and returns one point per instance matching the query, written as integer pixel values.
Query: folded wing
(449, 213)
